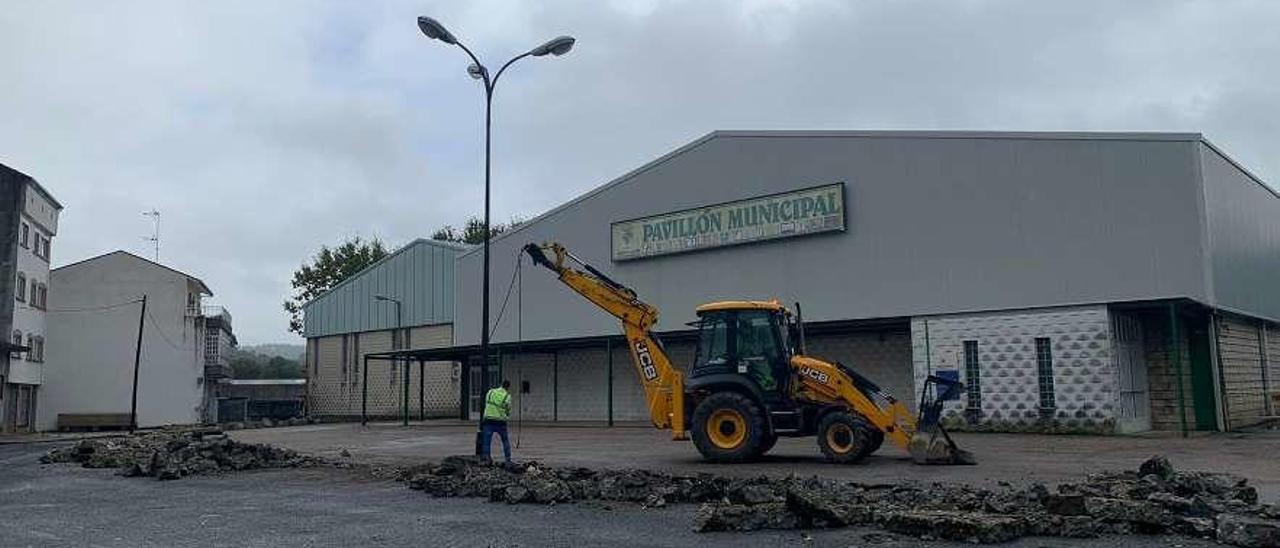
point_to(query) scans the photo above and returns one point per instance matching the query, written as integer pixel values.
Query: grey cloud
(263, 131)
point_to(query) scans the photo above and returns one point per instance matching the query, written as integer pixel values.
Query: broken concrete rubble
(1247, 531)
(1154, 499)
(173, 454)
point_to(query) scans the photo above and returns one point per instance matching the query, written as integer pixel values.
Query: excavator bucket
(931, 444)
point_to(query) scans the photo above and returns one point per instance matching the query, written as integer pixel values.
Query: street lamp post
(556, 46)
(396, 335)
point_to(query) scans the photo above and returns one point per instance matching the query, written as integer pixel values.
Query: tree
(252, 365)
(473, 231)
(245, 366)
(327, 269)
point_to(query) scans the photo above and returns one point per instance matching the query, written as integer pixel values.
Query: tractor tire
(729, 427)
(769, 441)
(877, 439)
(845, 438)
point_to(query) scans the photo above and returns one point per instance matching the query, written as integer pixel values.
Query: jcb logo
(646, 361)
(815, 374)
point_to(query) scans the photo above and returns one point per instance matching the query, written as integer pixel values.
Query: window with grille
(973, 375)
(1044, 372)
(355, 358)
(315, 356)
(346, 354)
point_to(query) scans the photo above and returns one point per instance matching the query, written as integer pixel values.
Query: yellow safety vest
(497, 405)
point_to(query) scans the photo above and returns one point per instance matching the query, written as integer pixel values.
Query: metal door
(1133, 412)
(475, 392)
(478, 386)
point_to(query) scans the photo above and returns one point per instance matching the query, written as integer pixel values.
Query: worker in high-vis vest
(497, 410)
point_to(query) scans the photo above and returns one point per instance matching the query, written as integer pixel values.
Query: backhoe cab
(752, 382)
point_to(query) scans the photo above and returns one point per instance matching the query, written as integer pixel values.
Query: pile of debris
(1154, 499)
(172, 454)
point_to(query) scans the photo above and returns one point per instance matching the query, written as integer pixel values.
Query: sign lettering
(796, 213)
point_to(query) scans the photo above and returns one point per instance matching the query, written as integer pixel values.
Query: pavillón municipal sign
(784, 215)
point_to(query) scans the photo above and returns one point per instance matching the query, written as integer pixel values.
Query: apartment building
(28, 224)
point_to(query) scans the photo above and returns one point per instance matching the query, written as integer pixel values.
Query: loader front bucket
(931, 444)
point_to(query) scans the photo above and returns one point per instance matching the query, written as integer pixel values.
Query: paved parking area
(64, 505)
(1013, 458)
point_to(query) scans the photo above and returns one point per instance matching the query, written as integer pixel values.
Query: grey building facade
(350, 321)
(1109, 282)
(28, 223)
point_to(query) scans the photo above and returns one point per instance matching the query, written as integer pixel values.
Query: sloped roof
(203, 287)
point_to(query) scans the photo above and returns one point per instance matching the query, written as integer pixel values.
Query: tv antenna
(155, 230)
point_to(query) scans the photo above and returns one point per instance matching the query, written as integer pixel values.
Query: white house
(30, 216)
(89, 368)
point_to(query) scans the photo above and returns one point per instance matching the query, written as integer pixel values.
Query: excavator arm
(663, 384)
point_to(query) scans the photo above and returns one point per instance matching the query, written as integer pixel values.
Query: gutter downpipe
(1176, 348)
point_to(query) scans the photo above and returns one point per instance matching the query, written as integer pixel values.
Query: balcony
(217, 371)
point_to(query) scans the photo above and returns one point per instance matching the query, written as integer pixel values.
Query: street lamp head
(434, 30)
(557, 46)
(476, 71)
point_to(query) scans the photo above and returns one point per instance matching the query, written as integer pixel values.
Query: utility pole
(137, 361)
(155, 230)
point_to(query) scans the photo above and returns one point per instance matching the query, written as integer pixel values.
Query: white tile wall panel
(1085, 376)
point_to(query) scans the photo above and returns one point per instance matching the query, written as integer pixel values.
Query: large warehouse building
(404, 301)
(1102, 282)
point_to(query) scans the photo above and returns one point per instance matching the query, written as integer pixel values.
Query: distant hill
(287, 351)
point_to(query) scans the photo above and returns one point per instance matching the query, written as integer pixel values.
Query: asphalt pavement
(64, 505)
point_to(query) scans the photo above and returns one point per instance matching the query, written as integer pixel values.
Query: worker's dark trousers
(487, 429)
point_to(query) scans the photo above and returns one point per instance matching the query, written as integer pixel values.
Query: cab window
(713, 340)
(757, 348)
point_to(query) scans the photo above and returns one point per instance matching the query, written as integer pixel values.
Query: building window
(973, 377)
(37, 348)
(26, 235)
(20, 291)
(346, 354)
(1044, 372)
(17, 341)
(355, 357)
(39, 294)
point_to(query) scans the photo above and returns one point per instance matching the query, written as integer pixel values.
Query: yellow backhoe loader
(751, 381)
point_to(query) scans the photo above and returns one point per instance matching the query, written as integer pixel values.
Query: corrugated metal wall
(937, 223)
(1242, 370)
(420, 275)
(1243, 224)
(1273, 367)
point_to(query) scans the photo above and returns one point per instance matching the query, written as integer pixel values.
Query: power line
(156, 326)
(93, 308)
(514, 276)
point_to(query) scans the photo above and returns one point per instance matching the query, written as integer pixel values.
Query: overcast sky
(263, 130)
